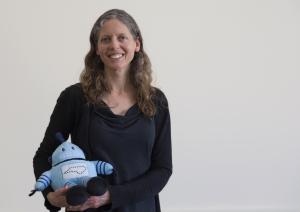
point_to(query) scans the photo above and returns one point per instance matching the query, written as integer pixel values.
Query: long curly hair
(93, 78)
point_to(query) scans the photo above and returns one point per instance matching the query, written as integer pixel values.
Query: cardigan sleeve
(61, 120)
(153, 181)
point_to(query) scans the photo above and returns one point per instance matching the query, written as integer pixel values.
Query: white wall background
(230, 70)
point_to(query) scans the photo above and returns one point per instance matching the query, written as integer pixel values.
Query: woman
(114, 115)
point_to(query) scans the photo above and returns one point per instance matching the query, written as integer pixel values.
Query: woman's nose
(114, 44)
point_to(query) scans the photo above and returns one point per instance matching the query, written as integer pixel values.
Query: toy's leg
(96, 186)
(76, 195)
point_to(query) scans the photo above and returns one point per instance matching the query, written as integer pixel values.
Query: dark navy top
(138, 147)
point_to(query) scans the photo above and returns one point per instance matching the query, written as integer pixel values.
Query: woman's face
(116, 45)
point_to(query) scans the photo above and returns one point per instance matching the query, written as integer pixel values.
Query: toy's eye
(63, 149)
(73, 148)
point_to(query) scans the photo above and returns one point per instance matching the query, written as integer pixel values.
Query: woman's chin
(117, 68)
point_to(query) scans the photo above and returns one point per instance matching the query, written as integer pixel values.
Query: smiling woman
(116, 42)
(114, 115)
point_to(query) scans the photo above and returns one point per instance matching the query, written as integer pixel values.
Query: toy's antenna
(59, 136)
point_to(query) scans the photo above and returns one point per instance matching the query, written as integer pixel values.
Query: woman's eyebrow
(105, 35)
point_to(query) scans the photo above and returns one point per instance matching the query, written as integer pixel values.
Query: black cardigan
(138, 147)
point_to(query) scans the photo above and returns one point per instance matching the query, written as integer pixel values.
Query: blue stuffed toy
(70, 168)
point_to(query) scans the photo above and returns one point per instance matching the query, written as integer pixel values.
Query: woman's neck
(119, 81)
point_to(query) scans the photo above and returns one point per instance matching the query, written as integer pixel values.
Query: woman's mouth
(116, 56)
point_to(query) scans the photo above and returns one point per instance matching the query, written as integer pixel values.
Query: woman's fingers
(92, 202)
(62, 191)
(57, 198)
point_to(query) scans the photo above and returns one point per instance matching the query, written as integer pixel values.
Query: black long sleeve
(61, 120)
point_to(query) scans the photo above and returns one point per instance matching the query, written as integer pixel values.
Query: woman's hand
(92, 202)
(58, 198)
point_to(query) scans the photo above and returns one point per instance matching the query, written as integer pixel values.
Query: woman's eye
(104, 40)
(63, 149)
(73, 148)
(122, 38)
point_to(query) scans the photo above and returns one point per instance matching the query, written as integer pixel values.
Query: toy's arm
(103, 167)
(42, 182)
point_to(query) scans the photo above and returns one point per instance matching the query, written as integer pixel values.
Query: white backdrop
(230, 70)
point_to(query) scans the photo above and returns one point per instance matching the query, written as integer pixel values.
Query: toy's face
(66, 151)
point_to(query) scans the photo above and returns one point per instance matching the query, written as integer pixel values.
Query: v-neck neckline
(119, 115)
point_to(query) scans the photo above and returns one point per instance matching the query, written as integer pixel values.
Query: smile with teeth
(116, 56)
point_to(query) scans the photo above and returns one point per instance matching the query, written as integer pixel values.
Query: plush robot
(70, 168)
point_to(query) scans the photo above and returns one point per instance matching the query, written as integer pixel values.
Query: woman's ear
(138, 45)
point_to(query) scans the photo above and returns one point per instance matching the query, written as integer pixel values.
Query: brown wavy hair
(93, 78)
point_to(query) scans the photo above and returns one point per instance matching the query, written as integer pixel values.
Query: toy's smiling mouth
(67, 160)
